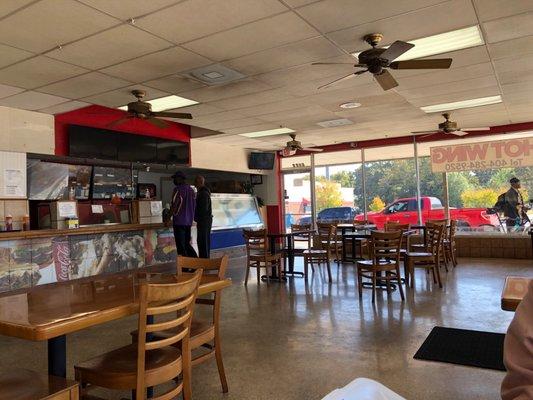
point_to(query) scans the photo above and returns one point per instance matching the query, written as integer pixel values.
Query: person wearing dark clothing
(203, 217)
(182, 210)
(515, 209)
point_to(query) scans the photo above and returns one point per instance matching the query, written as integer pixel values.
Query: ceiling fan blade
(386, 80)
(344, 78)
(172, 115)
(311, 149)
(157, 122)
(459, 133)
(435, 63)
(338, 63)
(422, 132)
(485, 128)
(119, 121)
(396, 50)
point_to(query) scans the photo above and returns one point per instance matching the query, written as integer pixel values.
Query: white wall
(216, 156)
(26, 131)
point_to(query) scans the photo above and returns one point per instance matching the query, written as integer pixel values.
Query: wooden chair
(320, 251)
(304, 237)
(391, 226)
(450, 251)
(332, 244)
(146, 364)
(430, 259)
(258, 254)
(23, 384)
(360, 243)
(385, 260)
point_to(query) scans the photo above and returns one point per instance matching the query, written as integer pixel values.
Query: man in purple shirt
(182, 209)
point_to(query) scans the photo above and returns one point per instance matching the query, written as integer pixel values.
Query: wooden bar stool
(147, 364)
(23, 384)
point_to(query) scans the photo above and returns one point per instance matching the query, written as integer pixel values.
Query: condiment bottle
(26, 222)
(9, 222)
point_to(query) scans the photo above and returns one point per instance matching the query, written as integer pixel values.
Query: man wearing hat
(182, 210)
(515, 210)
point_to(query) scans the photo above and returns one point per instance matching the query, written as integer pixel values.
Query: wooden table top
(22, 384)
(513, 292)
(54, 310)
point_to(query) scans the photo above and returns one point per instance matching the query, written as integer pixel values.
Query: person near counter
(182, 210)
(203, 216)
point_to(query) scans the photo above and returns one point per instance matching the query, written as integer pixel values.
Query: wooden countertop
(514, 290)
(87, 230)
(57, 309)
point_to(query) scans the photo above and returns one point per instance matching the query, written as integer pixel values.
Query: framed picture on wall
(256, 179)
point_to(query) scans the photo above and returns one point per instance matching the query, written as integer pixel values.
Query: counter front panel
(35, 261)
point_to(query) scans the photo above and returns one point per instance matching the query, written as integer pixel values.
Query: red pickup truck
(405, 212)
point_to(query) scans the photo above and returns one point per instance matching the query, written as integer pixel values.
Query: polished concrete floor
(298, 341)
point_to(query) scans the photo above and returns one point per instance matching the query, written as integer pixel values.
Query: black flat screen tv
(86, 142)
(261, 160)
(172, 152)
(137, 148)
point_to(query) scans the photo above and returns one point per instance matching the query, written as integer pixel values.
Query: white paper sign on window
(156, 208)
(13, 182)
(511, 153)
(67, 209)
(97, 209)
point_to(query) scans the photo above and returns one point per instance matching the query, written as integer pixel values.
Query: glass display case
(235, 211)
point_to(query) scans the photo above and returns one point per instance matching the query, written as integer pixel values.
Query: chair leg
(433, 269)
(399, 278)
(438, 278)
(259, 274)
(328, 265)
(220, 364)
(247, 274)
(406, 271)
(306, 267)
(387, 276)
(374, 281)
(359, 282)
(411, 272)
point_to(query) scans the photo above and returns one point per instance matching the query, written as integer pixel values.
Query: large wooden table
(514, 290)
(52, 311)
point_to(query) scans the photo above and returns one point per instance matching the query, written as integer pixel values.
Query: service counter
(32, 258)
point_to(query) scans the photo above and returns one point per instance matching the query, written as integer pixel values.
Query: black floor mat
(464, 347)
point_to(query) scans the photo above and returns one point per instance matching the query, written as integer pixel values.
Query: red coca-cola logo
(61, 259)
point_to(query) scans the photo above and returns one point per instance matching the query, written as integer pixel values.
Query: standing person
(203, 217)
(515, 209)
(182, 210)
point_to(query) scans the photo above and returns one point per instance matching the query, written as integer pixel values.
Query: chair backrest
(304, 236)
(174, 300)
(396, 226)
(255, 241)
(386, 245)
(452, 230)
(326, 234)
(435, 237)
(210, 266)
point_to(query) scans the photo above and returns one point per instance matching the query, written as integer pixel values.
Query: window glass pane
(297, 162)
(297, 188)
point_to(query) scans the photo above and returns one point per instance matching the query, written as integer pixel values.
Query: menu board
(109, 181)
(54, 181)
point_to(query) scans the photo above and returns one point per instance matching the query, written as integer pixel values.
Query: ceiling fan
(449, 128)
(377, 59)
(294, 145)
(143, 110)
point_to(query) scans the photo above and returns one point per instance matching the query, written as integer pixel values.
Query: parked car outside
(333, 215)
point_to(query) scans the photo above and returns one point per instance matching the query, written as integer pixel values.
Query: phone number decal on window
(468, 165)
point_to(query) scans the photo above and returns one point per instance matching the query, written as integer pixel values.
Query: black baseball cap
(514, 180)
(179, 174)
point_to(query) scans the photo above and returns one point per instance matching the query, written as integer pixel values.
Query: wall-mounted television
(54, 181)
(108, 181)
(261, 160)
(87, 142)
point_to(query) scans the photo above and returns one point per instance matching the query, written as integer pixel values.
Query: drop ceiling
(59, 55)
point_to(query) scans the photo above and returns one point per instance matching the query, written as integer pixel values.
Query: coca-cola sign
(61, 259)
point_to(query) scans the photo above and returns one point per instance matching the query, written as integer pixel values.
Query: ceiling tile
(517, 64)
(509, 28)
(268, 96)
(64, 107)
(123, 96)
(254, 128)
(174, 84)
(297, 114)
(277, 106)
(285, 56)
(53, 22)
(198, 110)
(237, 123)
(310, 88)
(451, 87)
(189, 20)
(256, 36)
(32, 101)
(129, 9)
(233, 89)
(299, 3)
(158, 64)
(333, 15)
(38, 71)
(109, 47)
(6, 91)
(10, 55)
(8, 6)
(84, 85)
(432, 99)
(511, 48)
(218, 117)
(444, 17)
(492, 9)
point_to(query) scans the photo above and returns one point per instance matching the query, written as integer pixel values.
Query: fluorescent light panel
(456, 105)
(442, 43)
(167, 103)
(270, 132)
